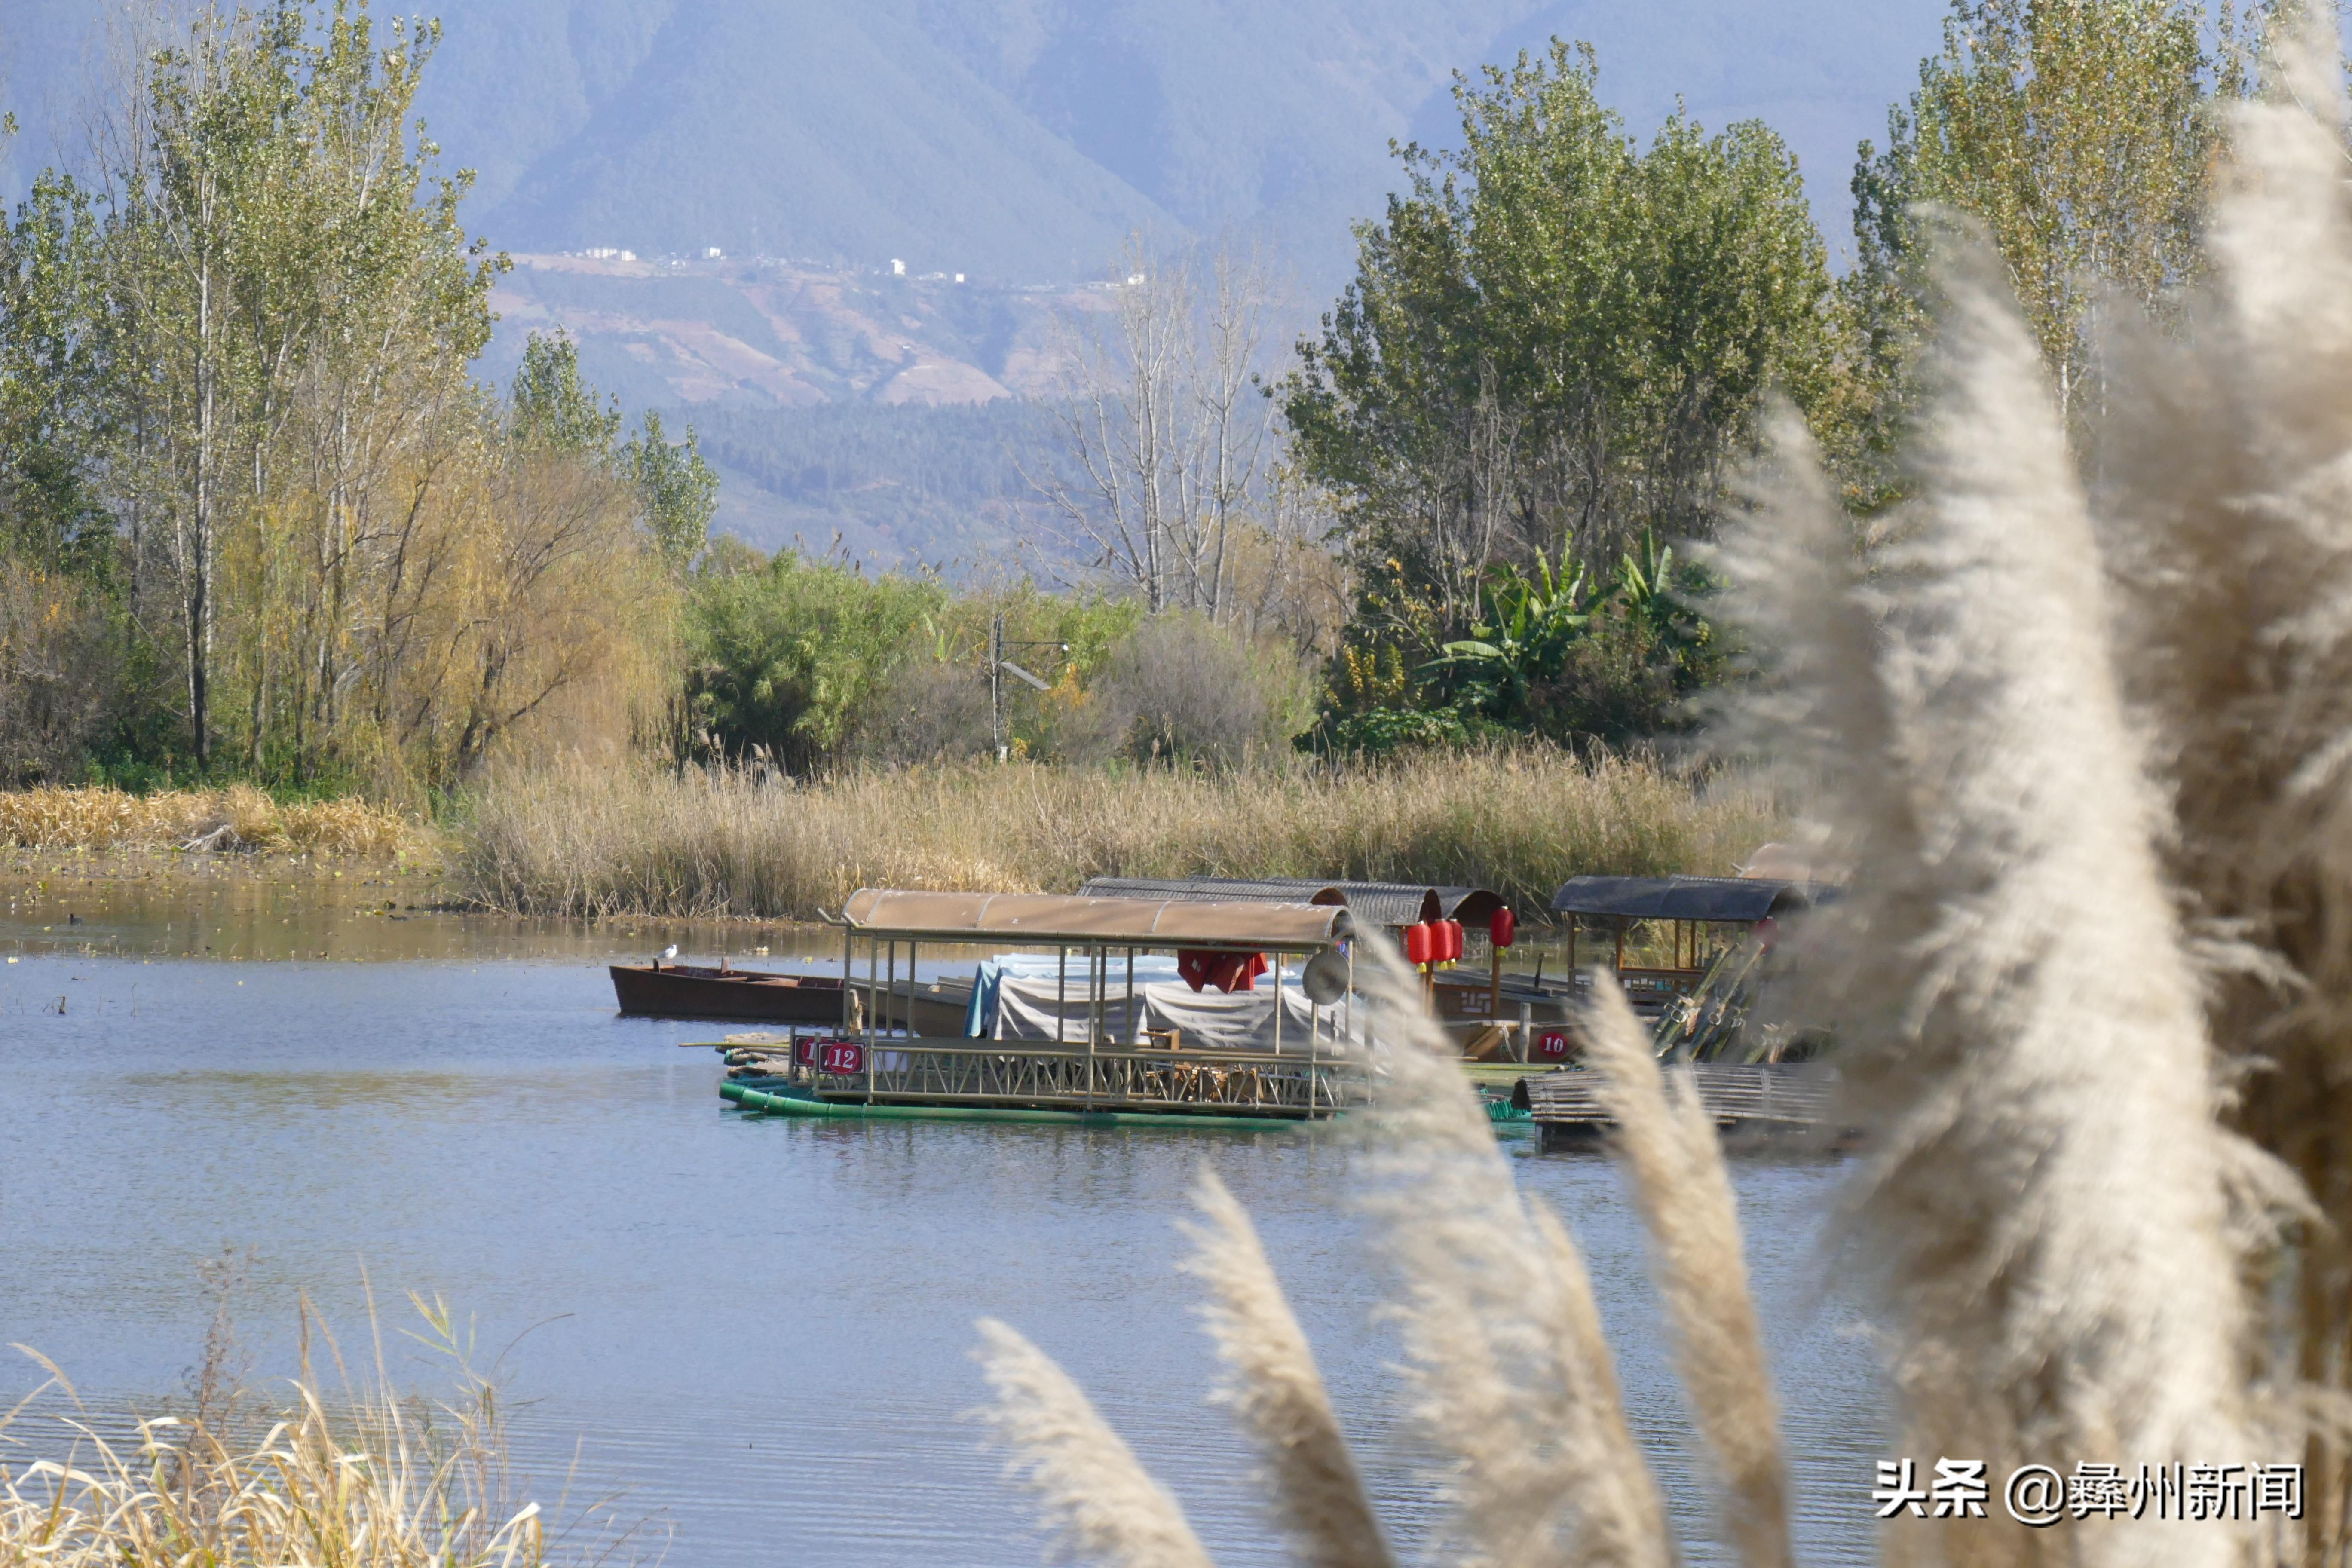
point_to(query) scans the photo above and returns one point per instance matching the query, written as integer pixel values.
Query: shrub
(1184, 690)
(1384, 731)
(59, 675)
(793, 656)
(926, 711)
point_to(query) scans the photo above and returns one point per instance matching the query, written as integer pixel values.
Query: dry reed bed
(115, 819)
(370, 1481)
(581, 842)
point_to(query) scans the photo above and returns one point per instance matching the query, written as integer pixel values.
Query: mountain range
(1017, 140)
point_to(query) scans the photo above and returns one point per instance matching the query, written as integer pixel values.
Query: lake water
(756, 1331)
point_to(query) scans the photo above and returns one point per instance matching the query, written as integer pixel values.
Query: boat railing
(1075, 1075)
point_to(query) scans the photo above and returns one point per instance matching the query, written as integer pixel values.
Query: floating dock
(1759, 1101)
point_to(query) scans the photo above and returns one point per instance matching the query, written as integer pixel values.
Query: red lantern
(1449, 941)
(1552, 1046)
(1504, 928)
(1420, 944)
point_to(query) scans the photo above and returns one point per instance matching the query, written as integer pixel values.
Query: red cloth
(1228, 972)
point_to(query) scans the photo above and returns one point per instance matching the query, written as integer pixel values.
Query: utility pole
(999, 666)
(996, 686)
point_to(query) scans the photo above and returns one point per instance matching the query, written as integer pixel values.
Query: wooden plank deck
(1791, 1097)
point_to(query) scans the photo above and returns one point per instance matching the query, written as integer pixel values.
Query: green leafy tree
(678, 491)
(790, 657)
(296, 307)
(553, 410)
(551, 406)
(1556, 341)
(2081, 134)
(55, 402)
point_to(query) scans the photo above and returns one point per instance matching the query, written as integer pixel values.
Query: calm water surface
(758, 1330)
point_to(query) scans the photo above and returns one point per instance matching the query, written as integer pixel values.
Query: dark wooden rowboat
(687, 990)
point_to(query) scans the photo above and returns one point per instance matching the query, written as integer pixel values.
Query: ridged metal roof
(1372, 903)
(1726, 899)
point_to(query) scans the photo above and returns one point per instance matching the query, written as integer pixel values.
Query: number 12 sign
(842, 1057)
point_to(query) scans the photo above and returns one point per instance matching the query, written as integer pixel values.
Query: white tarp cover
(1210, 1020)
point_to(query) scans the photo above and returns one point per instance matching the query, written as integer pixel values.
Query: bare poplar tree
(1164, 434)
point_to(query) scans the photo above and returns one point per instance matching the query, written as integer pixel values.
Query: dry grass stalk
(1668, 1142)
(1098, 1503)
(1275, 1393)
(2044, 1200)
(370, 1486)
(587, 841)
(111, 818)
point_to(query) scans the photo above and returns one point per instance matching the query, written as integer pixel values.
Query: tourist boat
(660, 990)
(1100, 1034)
(1489, 1013)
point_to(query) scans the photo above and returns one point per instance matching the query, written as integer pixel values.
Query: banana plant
(1656, 593)
(1529, 622)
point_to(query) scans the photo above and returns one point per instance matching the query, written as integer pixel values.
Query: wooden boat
(782, 1099)
(752, 995)
(691, 991)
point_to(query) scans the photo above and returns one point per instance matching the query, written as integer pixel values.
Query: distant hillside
(765, 334)
(1017, 140)
(904, 486)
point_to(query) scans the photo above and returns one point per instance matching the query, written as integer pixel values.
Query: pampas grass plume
(1098, 1502)
(1274, 1390)
(1510, 1380)
(2020, 1025)
(1684, 1195)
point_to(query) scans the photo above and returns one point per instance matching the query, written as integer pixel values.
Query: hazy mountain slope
(1018, 139)
(805, 128)
(896, 486)
(747, 334)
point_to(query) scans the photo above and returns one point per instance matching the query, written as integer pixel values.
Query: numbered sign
(842, 1057)
(1551, 1046)
(805, 1052)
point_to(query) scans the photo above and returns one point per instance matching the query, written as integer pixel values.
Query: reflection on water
(760, 1328)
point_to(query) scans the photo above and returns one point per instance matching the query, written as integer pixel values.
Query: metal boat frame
(1083, 1076)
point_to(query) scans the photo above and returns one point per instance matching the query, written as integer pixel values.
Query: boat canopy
(1042, 918)
(1372, 903)
(1731, 900)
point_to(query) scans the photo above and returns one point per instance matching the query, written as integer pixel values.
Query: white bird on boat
(669, 954)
